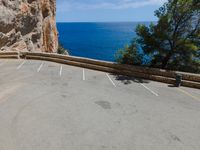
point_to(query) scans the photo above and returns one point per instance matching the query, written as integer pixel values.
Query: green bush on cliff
(62, 50)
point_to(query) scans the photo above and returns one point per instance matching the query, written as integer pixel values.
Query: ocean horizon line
(107, 22)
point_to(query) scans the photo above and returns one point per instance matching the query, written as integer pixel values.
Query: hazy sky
(106, 10)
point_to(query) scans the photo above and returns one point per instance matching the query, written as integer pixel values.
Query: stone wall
(28, 25)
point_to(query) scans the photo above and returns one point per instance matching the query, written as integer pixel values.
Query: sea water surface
(96, 40)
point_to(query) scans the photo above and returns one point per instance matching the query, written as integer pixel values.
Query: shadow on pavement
(128, 80)
(172, 86)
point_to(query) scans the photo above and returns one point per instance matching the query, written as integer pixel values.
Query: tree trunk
(166, 60)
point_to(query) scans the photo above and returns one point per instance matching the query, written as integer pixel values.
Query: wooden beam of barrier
(146, 70)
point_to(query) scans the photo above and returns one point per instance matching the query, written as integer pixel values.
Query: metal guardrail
(166, 76)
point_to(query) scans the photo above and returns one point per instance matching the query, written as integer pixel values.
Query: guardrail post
(18, 55)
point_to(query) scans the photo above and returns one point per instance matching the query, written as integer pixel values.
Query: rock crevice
(28, 25)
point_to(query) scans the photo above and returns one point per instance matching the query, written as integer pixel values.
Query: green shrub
(129, 55)
(62, 50)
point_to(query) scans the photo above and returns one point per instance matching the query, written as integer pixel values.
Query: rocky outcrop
(28, 25)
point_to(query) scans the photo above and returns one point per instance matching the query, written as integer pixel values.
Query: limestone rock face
(28, 25)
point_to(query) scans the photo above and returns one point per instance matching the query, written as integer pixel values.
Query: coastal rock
(28, 25)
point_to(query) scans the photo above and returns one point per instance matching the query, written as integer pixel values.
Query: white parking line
(60, 73)
(21, 65)
(111, 80)
(149, 89)
(83, 74)
(40, 67)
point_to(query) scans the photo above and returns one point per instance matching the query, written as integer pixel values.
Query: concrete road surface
(48, 106)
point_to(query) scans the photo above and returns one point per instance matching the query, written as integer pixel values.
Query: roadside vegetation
(129, 55)
(171, 43)
(62, 50)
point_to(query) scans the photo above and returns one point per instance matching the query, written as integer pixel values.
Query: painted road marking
(188, 94)
(61, 68)
(21, 65)
(83, 74)
(111, 80)
(154, 93)
(40, 67)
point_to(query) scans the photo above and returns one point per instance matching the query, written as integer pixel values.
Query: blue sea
(96, 40)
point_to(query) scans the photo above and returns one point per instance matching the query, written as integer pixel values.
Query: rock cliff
(28, 25)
